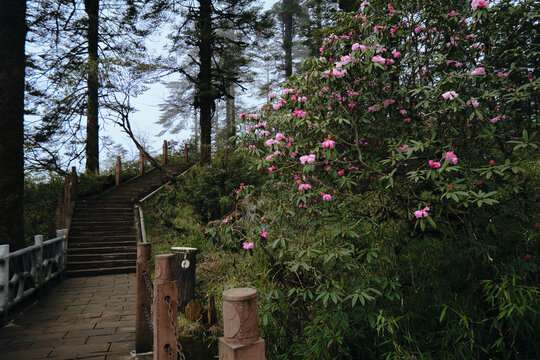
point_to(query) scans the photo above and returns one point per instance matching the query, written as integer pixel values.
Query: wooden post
(141, 163)
(74, 184)
(60, 212)
(4, 281)
(67, 201)
(240, 339)
(143, 333)
(118, 170)
(164, 152)
(165, 302)
(185, 263)
(185, 153)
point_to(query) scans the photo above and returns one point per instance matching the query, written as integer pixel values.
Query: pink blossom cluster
(421, 213)
(307, 159)
(478, 4)
(473, 102)
(327, 143)
(478, 71)
(450, 155)
(496, 119)
(357, 46)
(239, 189)
(450, 95)
(434, 164)
(304, 187)
(403, 148)
(299, 113)
(248, 245)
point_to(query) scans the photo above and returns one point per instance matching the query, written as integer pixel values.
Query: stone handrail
(24, 271)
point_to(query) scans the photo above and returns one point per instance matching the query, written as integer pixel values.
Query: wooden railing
(25, 271)
(156, 313)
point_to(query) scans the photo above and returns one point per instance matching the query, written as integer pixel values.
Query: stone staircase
(102, 237)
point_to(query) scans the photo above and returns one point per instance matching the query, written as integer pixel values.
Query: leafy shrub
(398, 212)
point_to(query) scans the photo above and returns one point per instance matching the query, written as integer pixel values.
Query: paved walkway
(81, 318)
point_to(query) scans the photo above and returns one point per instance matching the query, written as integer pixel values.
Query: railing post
(185, 153)
(185, 263)
(67, 201)
(74, 184)
(240, 339)
(118, 170)
(143, 332)
(165, 150)
(165, 305)
(63, 234)
(38, 240)
(4, 281)
(141, 163)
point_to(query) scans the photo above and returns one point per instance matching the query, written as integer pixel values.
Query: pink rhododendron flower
(271, 95)
(328, 144)
(271, 168)
(288, 91)
(358, 46)
(496, 119)
(403, 148)
(279, 136)
(304, 187)
(326, 197)
(450, 95)
(421, 213)
(265, 133)
(478, 71)
(337, 73)
(341, 172)
(403, 112)
(419, 29)
(434, 164)
(378, 59)
(264, 234)
(269, 157)
(261, 124)
(364, 4)
(478, 4)
(501, 74)
(271, 142)
(407, 120)
(248, 245)
(396, 53)
(473, 102)
(307, 159)
(450, 155)
(226, 220)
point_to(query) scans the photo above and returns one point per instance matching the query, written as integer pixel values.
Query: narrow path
(81, 318)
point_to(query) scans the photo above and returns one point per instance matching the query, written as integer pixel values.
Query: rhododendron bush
(399, 209)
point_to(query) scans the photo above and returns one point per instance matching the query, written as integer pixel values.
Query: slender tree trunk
(12, 64)
(92, 125)
(231, 113)
(288, 35)
(196, 128)
(205, 94)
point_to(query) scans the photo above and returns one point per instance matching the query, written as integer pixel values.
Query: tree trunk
(12, 64)
(288, 35)
(92, 125)
(204, 92)
(231, 114)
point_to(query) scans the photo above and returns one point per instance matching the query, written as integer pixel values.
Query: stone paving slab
(81, 318)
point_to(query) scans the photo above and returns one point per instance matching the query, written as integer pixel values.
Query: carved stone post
(143, 333)
(185, 263)
(185, 153)
(240, 339)
(39, 275)
(63, 234)
(164, 152)
(118, 170)
(74, 184)
(141, 163)
(4, 281)
(165, 302)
